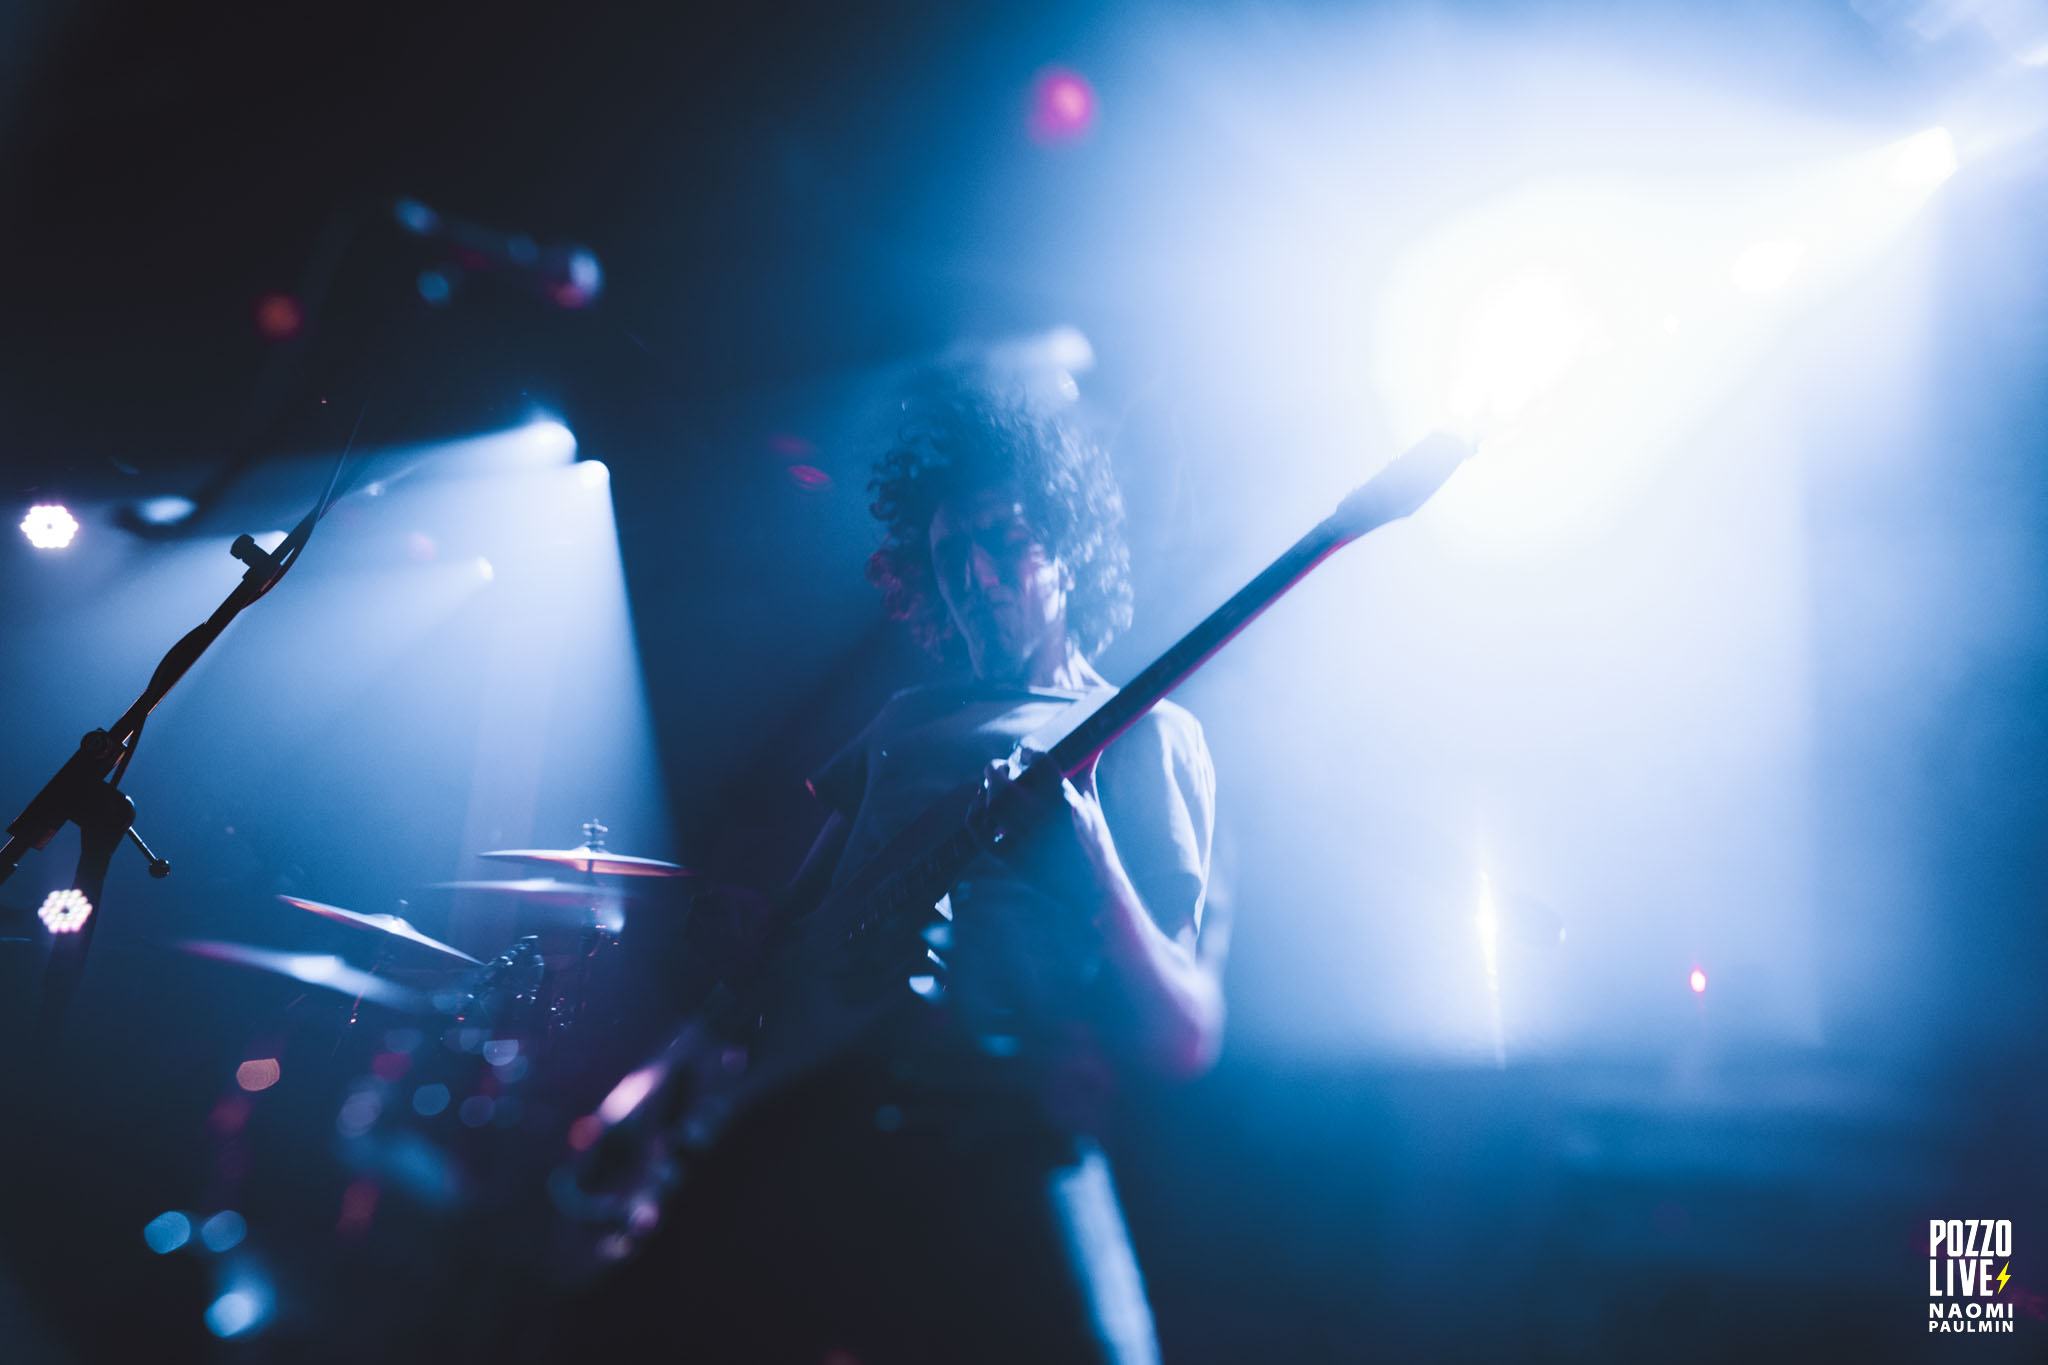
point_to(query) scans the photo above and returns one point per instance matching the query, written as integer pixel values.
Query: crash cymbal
(395, 925)
(324, 970)
(590, 858)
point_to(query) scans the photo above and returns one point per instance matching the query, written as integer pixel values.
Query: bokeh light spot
(1062, 107)
(224, 1231)
(278, 317)
(167, 1232)
(584, 1132)
(258, 1073)
(233, 1313)
(430, 1100)
(1698, 981)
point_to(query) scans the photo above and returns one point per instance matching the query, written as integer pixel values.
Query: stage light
(224, 1231)
(167, 1232)
(1767, 266)
(1517, 344)
(1488, 923)
(258, 1074)
(49, 526)
(65, 912)
(1698, 982)
(165, 511)
(1923, 161)
(546, 436)
(593, 473)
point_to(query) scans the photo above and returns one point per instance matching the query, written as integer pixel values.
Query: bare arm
(1171, 1018)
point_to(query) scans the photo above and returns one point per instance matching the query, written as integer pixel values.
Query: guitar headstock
(1410, 481)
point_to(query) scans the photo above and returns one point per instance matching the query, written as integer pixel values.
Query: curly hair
(967, 440)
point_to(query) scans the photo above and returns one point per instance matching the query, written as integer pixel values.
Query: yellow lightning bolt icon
(2003, 1277)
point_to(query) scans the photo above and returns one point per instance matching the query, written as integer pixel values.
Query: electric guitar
(832, 973)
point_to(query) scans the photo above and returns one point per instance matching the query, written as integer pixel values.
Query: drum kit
(431, 1052)
(572, 927)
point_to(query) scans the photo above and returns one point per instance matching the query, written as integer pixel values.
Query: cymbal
(588, 858)
(544, 891)
(324, 970)
(395, 925)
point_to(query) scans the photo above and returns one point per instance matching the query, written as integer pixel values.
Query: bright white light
(49, 526)
(484, 571)
(549, 437)
(1767, 266)
(594, 473)
(1488, 922)
(1698, 982)
(1517, 344)
(165, 511)
(65, 912)
(1923, 161)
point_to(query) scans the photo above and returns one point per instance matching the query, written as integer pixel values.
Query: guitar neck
(1394, 493)
(1130, 703)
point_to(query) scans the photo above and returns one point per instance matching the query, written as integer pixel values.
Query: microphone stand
(86, 790)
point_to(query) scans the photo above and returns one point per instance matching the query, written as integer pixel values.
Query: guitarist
(939, 1194)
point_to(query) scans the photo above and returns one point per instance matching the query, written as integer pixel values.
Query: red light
(1062, 107)
(278, 317)
(1699, 982)
(358, 1205)
(584, 1132)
